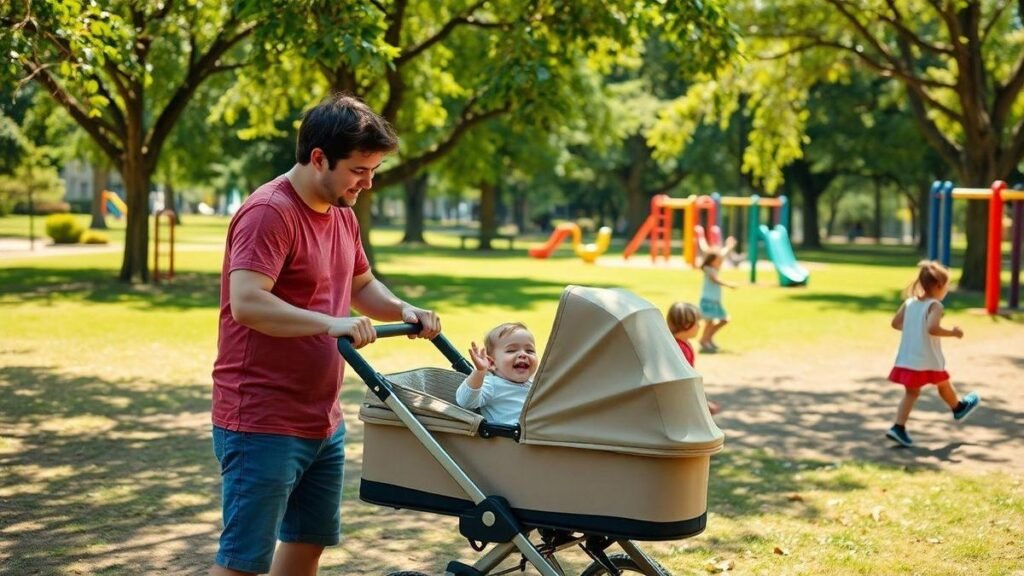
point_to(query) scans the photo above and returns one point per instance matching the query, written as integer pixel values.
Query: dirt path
(838, 406)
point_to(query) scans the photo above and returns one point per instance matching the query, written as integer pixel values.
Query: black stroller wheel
(623, 563)
(407, 573)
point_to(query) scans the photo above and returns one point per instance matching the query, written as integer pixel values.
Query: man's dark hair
(341, 124)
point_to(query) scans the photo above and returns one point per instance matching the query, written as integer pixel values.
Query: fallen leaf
(781, 551)
(794, 497)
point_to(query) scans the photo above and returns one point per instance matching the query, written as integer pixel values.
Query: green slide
(780, 251)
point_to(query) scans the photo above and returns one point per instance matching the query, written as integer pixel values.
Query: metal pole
(1018, 228)
(995, 247)
(946, 222)
(933, 220)
(752, 231)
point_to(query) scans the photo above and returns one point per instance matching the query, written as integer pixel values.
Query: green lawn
(104, 412)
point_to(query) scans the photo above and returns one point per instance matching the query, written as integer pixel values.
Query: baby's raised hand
(479, 356)
(730, 242)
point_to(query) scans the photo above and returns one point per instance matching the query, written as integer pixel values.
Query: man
(292, 266)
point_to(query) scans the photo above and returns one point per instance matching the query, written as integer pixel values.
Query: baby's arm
(897, 320)
(471, 393)
(935, 312)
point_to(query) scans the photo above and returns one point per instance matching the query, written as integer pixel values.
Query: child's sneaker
(967, 405)
(900, 436)
(708, 348)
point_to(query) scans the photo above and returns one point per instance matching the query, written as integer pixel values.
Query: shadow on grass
(849, 425)
(202, 290)
(47, 285)
(116, 477)
(106, 476)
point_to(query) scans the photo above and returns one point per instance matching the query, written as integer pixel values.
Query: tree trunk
(364, 214)
(923, 203)
(135, 266)
(812, 234)
(415, 196)
(100, 181)
(519, 211)
(973, 277)
(638, 200)
(878, 212)
(171, 201)
(488, 214)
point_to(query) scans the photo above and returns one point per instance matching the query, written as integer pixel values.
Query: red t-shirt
(687, 350)
(277, 385)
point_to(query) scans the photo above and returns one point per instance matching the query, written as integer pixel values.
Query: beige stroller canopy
(613, 378)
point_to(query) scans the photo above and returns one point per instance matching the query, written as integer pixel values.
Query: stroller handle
(373, 379)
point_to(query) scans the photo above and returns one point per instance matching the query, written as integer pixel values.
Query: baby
(499, 384)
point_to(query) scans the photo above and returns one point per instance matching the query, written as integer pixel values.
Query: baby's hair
(711, 256)
(682, 316)
(499, 332)
(930, 275)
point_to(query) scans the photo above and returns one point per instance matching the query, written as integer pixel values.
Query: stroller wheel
(407, 573)
(623, 563)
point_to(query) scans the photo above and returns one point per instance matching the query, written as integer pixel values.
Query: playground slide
(590, 252)
(587, 252)
(117, 206)
(780, 251)
(562, 231)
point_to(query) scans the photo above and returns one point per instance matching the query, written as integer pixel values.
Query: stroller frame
(491, 520)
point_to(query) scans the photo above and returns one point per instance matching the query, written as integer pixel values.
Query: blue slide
(780, 252)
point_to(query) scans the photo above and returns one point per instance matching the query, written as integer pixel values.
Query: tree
(961, 65)
(125, 72)
(429, 67)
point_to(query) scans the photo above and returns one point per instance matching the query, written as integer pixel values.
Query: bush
(94, 237)
(42, 208)
(64, 229)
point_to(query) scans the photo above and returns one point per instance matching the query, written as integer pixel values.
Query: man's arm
(373, 299)
(254, 305)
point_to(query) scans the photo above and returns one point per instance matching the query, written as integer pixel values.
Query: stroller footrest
(456, 568)
(491, 520)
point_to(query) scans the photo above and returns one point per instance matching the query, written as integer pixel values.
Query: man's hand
(430, 324)
(359, 328)
(957, 332)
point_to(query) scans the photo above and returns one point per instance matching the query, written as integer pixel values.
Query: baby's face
(515, 356)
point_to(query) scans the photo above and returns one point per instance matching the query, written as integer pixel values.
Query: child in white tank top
(919, 361)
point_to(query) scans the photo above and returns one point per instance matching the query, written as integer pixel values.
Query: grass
(104, 426)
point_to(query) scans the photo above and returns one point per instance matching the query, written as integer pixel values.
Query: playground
(104, 435)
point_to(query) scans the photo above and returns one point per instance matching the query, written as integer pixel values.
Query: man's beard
(343, 203)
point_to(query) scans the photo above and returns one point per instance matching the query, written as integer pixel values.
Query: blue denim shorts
(277, 488)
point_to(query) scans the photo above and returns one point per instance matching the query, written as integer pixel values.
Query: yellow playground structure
(587, 252)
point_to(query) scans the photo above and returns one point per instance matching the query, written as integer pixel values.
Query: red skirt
(917, 378)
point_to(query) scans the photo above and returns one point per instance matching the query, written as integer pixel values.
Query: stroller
(613, 444)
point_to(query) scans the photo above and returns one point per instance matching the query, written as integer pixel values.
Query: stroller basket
(614, 441)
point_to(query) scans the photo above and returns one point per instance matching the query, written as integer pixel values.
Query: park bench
(509, 238)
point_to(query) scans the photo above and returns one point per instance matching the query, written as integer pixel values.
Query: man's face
(341, 186)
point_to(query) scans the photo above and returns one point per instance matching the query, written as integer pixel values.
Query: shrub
(64, 229)
(94, 237)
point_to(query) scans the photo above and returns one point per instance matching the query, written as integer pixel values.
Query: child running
(684, 323)
(499, 384)
(715, 316)
(919, 361)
